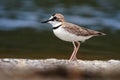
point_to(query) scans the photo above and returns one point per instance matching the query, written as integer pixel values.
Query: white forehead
(51, 17)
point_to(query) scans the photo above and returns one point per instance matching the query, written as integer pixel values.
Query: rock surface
(54, 69)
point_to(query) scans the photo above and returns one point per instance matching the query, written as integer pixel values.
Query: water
(97, 14)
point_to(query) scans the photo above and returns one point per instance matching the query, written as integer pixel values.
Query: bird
(70, 32)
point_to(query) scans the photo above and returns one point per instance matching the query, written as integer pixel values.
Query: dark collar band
(57, 26)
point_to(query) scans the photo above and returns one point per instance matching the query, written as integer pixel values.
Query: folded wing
(81, 31)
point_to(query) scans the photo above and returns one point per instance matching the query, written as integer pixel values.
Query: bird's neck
(55, 24)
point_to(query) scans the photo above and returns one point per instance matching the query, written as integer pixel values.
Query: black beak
(45, 21)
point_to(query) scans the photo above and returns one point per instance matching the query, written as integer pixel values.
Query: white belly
(66, 36)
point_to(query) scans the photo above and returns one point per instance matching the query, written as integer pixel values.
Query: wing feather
(80, 31)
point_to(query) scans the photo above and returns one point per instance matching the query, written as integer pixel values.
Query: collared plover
(70, 32)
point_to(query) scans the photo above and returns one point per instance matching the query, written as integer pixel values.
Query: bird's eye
(54, 17)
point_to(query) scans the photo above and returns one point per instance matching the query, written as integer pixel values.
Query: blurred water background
(23, 36)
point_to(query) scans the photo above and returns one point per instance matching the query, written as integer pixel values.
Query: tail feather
(100, 34)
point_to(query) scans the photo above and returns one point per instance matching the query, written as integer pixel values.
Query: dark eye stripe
(54, 18)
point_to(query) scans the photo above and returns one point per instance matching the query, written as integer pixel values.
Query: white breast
(66, 36)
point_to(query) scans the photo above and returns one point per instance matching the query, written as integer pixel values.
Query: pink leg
(78, 45)
(73, 56)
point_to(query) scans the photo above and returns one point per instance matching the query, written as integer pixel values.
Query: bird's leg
(73, 56)
(78, 45)
(76, 50)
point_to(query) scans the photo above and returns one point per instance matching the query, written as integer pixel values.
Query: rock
(54, 69)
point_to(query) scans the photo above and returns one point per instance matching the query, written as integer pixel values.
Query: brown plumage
(80, 31)
(75, 29)
(70, 32)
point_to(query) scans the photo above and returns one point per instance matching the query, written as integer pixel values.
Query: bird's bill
(45, 21)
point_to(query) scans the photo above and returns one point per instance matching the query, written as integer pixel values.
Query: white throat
(55, 23)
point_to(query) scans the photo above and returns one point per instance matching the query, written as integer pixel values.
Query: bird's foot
(73, 59)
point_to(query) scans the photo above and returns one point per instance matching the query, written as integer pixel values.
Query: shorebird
(70, 32)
